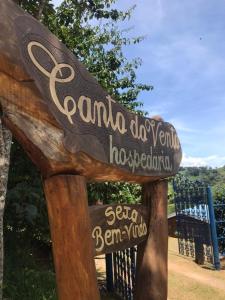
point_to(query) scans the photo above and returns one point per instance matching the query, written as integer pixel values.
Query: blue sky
(184, 59)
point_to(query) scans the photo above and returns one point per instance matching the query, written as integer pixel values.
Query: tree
(89, 29)
(5, 145)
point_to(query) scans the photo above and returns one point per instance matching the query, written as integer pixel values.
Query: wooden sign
(118, 226)
(93, 122)
(75, 119)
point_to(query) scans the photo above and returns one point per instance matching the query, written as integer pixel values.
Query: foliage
(114, 192)
(209, 176)
(28, 273)
(33, 7)
(171, 208)
(213, 177)
(219, 201)
(25, 214)
(89, 29)
(219, 195)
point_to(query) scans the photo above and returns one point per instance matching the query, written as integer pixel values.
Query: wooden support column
(152, 257)
(73, 251)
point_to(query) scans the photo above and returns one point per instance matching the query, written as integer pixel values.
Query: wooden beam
(67, 203)
(151, 277)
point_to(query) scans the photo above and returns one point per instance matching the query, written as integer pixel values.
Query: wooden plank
(151, 277)
(117, 227)
(66, 197)
(77, 123)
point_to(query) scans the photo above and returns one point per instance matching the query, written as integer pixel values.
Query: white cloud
(210, 161)
(181, 126)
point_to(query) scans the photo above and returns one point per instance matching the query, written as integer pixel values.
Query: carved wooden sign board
(92, 121)
(117, 227)
(74, 131)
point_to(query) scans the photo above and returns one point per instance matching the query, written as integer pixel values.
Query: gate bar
(213, 229)
(109, 272)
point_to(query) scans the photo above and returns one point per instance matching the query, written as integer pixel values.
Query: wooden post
(151, 277)
(73, 251)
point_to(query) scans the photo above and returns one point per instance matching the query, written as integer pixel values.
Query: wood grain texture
(66, 198)
(152, 257)
(113, 146)
(117, 227)
(10, 61)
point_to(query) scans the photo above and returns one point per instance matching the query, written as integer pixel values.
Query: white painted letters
(134, 227)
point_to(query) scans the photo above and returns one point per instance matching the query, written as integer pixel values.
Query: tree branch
(40, 9)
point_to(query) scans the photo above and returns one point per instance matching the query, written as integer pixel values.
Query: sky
(183, 56)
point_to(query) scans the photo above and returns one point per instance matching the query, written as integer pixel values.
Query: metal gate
(124, 265)
(200, 224)
(120, 272)
(196, 227)
(219, 208)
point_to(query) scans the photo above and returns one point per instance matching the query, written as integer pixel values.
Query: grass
(30, 283)
(171, 208)
(28, 273)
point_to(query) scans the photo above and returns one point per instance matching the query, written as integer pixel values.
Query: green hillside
(213, 177)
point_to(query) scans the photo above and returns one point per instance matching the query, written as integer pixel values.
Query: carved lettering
(57, 69)
(151, 143)
(124, 223)
(135, 160)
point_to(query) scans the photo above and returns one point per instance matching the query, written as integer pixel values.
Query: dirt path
(187, 280)
(203, 278)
